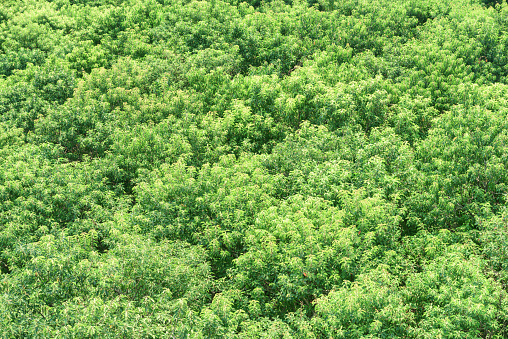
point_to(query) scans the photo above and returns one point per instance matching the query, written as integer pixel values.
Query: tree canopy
(261, 169)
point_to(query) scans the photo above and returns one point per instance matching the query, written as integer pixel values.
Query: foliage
(259, 169)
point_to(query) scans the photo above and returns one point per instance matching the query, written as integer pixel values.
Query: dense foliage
(260, 169)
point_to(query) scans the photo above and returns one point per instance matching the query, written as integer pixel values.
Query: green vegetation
(261, 169)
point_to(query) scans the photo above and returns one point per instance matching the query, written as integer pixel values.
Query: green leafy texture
(260, 169)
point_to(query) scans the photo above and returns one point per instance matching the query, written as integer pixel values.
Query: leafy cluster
(261, 169)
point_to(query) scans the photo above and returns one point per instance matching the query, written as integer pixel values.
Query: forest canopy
(262, 169)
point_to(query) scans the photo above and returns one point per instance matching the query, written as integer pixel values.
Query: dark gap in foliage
(11, 61)
(491, 3)
(4, 267)
(407, 231)
(102, 245)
